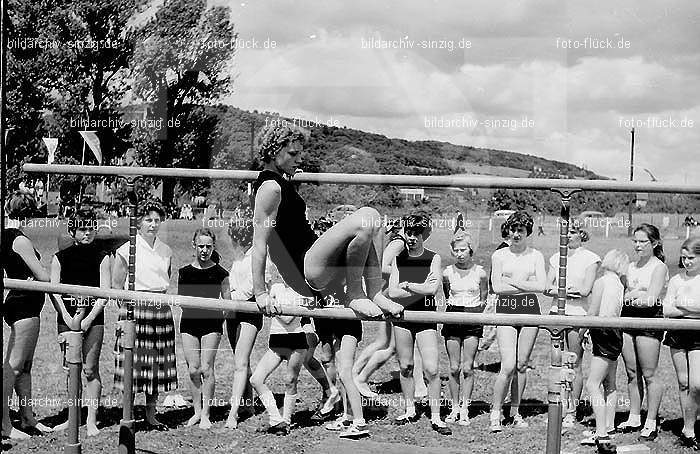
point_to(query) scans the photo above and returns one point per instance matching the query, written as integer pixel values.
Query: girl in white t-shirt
(517, 274)
(646, 283)
(465, 285)
(581, 269)
(605, 301)
(683, 301)
(287, 342)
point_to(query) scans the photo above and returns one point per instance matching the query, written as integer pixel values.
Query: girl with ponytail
(646, 279)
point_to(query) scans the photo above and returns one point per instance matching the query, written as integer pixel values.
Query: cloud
(579, 100)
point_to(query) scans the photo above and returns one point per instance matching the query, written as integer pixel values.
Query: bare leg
(469, 348)
(427, 342)
(349, 242)
(507, 344)
(648, 349)
(635, 386)
(242, 338)
(23, 336)
(191, 346)
(268, 363)
(345, 358)
(691, 409)
(453, 345)
(526, 341)
(598, 371)
(404, 353)
(210, 345)
(92, 346)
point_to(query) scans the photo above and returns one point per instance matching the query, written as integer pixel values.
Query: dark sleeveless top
(292, 235)
(416, 270)
(203, 283)
(80, 265)
(16, 268)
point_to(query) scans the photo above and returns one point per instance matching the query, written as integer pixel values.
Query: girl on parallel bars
(317, 267)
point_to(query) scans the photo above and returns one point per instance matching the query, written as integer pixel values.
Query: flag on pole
(93, 142)
(51, 145)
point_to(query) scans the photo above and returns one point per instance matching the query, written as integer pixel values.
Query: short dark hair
(418, 222)
(82, 219)
(520, 219)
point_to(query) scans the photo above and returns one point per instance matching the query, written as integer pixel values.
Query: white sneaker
(519, 422)
(452, 417)
(569, 421)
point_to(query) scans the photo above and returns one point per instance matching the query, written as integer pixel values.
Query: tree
(182, 61)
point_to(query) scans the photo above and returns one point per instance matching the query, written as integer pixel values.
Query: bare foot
(15, 434)
(364, 390)
(92, 430)
(193, 420)
(205, 423)
(388, 306)
(365, 307)
(231, 421)
(61, 427)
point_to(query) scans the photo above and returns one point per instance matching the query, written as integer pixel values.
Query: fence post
(127, 438)
(554, 410)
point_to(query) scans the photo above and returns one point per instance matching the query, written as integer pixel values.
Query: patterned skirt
(155, 368)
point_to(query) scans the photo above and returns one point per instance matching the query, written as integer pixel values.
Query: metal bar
(74, 358)
(215, 304)
(127, 429)
(376, 179)
(554, 390)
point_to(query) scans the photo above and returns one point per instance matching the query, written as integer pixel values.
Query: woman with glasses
(646, 281)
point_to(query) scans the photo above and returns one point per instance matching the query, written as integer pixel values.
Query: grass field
(49, 380)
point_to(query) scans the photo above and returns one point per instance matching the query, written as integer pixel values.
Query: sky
(564, 80)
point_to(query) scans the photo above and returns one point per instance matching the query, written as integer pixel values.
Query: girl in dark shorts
(465, 284)
(414, 281)
(683, 301)
(83, 263)
(646, 280)
(201, 329)
(517, 271)
(21, 311)
(605, 301)
(347, 254)
(287, 342)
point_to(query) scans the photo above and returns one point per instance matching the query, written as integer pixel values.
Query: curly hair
(240, 228)
(520, 219)
(462, 236)
(148, 206)
(276, 135)
(20, 206)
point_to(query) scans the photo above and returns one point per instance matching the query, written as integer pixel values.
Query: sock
(359, 422)
(289, 402)
(635, 420)
(650, 424)
(495, 415)
(268, 400)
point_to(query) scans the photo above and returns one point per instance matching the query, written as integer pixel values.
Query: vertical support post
(554, 398)
(127, 439)
(74, 358)
(631, 201)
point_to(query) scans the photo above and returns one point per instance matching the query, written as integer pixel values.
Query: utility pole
(631, 201)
